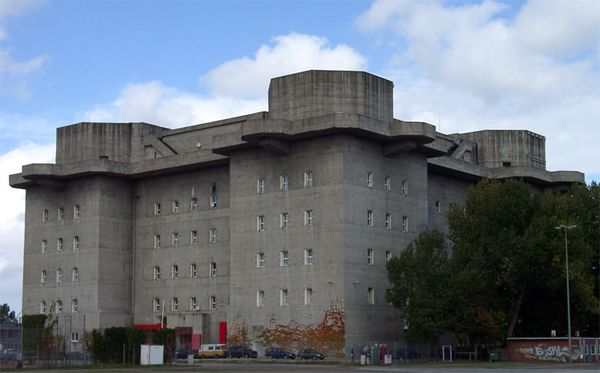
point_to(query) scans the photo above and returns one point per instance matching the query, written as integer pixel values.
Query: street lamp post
(567, 228)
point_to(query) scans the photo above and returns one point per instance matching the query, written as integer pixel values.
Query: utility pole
(566, 229)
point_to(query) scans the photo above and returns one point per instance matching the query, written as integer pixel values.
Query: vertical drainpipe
(134, 198)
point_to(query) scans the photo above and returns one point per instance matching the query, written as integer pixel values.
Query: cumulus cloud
(235, 87)
(476, 66)
(250, 76)
(12, 218)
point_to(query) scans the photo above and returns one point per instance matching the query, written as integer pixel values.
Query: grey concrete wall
(322, 156)
(164, 190)
(313, 93)
(446, 190)
(379, 321)
(503, 148)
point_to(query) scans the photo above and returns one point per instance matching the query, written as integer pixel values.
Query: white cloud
(14, 8)
(470, 67)
(249, 77)
(236, 87)
(12, 218)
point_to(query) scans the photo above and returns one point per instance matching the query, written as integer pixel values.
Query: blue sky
(460, 65)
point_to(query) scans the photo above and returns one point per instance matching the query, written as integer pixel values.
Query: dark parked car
(182, 353)
(279, 353)
(242, 351)
(309, 354)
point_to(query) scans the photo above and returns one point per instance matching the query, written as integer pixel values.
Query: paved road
(312, 368)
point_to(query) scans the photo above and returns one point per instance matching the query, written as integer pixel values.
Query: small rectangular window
(212, 235)
(59, 275)
(59, 244)
(193, 237)
(75, 274)
(260, 260)
(309, 256)
(283, 258)
(193, 203)
(283, 297)
(175, 239)
(44, 216)
(174, 271)
(405, 187)
(388, 220)
(370, 218)
(260, 298)
(193, 304)
(156, 305)
(74, 337)
(308, 296)
(174, 304)
(60, 214)
(308, 217)
(175, 207)
(157, 209)
(308, 179)
(43, 276)
(212, 302)
(212, 269)
(75, 243)
(76, 212)
(438, 206)
(44, 246)
(371, 295)
(212, 199)
(58, 306)
(283, 182)
(370, 179)
(156, 273)
(157, 241)
(193, 270)
(260, 223)
(370, 257)
(74, 305)
(283, 220)
(260, 185)
(405, 224)
(388, 256)
(43, 307)
(387, 184)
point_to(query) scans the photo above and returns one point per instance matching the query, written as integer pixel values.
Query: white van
(212, 351)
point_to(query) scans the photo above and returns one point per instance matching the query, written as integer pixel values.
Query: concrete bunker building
(277, 215)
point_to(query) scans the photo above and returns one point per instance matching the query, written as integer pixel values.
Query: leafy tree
(506, 274)
(418, 278)
(6, 313)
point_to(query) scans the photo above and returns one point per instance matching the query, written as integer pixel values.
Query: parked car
(242, 351)
(279, 353)
(182, 353)
(9, 355)
(212, 351)
(310, 354)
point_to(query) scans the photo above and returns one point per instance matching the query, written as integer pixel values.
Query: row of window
(387, 183)
(175, 205)
(284, 182)
(60, 244)
(388, 220)
(57, 306)
(193, 271)
(60, 214)
(284, 220)
(212, 238)
(284, 258)
(192, 305)
(60, 275)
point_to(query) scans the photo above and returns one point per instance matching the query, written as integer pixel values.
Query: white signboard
(151, 354)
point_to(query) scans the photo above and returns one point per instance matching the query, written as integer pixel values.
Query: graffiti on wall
(328, 336)
(548, 352)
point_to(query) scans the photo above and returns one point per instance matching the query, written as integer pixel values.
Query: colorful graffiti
(546, 352)
(328, 336)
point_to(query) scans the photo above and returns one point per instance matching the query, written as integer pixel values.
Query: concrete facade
(272, 217)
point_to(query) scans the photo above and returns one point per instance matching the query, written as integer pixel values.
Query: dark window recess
(104, 157)
(505, 164)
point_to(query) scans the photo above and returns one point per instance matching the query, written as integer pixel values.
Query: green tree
(6, 313)
(418, 277)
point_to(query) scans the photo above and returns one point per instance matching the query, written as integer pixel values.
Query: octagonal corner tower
(320, 92)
